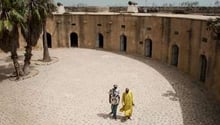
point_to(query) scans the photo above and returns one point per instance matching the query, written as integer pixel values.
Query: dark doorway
(49, 40)
(123, 43)
(100, 41)
(73, 40)
(203, 68)
(175, 55)
(148, 48)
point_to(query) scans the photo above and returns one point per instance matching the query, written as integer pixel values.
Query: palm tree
(37, 12)
(47, 7)
(10, 17)
(214, 25)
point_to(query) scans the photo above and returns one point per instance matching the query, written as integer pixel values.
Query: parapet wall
(144, 9)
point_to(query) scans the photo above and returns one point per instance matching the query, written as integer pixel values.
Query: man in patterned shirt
(114, 99)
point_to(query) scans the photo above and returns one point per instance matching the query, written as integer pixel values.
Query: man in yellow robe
(127, 102)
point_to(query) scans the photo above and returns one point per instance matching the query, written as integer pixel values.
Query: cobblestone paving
(74, 91)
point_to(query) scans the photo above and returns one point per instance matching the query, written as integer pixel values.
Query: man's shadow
(108, 115)
(104, 115)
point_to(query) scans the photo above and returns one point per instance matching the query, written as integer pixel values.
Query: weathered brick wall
(189, 34)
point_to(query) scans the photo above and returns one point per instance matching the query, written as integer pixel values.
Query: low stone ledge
(41, 62)
(32, 73)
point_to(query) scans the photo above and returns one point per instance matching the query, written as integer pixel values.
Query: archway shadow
(198, 106)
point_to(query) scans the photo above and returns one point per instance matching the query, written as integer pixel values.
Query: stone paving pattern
(74, 91)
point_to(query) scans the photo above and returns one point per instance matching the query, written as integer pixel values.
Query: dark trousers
(114, 110)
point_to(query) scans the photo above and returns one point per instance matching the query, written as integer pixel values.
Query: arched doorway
(175, 55)
(203, 68)
(73, 40)
(148, 48)
(123, 43)
(49, 40)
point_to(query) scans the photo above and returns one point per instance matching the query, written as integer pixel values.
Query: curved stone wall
(179, 40)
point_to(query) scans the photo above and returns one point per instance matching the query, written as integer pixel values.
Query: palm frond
(1, 26)
(214, 24)
(10, 18)
(15, 15)
(8, 25)
(6, 3)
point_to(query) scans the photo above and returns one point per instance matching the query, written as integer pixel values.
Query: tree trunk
(46, 55)
(27, 59)
(28, 50)
(14, 57)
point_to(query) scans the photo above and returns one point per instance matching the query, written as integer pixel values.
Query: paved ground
(74, 91)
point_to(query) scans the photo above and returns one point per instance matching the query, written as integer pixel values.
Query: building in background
(132, 7)
(60, 8)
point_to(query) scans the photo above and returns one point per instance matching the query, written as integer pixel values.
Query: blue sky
(124, 2)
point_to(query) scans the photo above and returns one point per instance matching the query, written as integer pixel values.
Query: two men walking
(127, 102)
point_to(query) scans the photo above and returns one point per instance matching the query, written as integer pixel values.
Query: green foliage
(8, 25)
(1, 26)
(17, 16)
(214, 25)
(37, 12)
(10, 17)
(189, 3)
(30, 15)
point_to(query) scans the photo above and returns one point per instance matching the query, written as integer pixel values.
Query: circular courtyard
(74, 91)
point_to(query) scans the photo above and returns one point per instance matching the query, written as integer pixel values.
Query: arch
(148, 48)
(49, 40)
(100, 41)
(175, 55)
(203, 68)
(73, 39)
(123, 43)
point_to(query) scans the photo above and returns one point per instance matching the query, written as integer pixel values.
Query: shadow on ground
(7, 67)
(197, 104)
(5, 72)
(106, 116)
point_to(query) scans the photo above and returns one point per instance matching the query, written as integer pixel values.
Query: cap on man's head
(127, 90)
(115, 86)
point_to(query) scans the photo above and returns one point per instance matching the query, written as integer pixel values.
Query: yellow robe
(127, 102)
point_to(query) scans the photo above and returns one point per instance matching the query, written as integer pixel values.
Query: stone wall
(215, 85)
(189, 35)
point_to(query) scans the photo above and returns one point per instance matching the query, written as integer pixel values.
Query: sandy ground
(74, 91)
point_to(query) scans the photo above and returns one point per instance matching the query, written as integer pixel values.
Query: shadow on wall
(197, 104)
